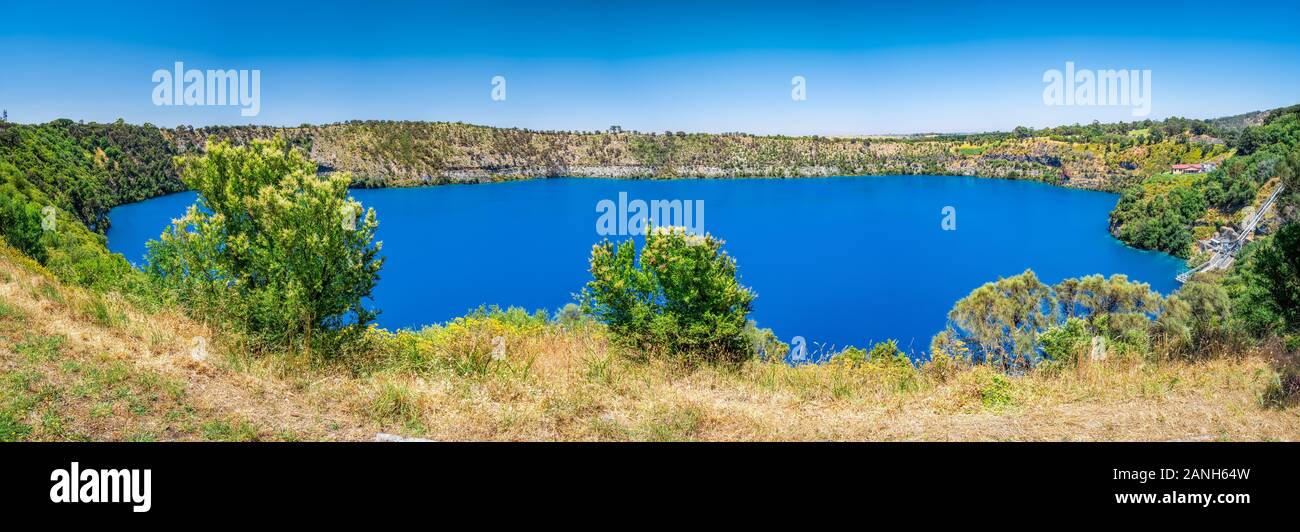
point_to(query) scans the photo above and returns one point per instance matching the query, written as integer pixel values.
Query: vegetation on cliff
(1167, 212)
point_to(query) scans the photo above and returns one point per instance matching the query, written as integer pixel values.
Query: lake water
(844, 260)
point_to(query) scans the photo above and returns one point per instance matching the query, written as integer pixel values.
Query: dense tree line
(86, 169)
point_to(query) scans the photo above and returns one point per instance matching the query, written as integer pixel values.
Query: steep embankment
(75, 364)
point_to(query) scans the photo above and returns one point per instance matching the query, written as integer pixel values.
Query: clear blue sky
(899, 67)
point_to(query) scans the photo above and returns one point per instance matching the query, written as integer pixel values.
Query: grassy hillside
(80, 365)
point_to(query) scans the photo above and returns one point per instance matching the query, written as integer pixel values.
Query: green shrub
(995, 392)
(20, 225)
(570, 316)
(1278, 266)
(1066, 343)
(465, 345)
(680, 296)
(1196, 319)
(947, 356)
(1114, 306)
(884, 354)
(1264, 285)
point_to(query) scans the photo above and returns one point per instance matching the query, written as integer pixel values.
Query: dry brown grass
(130, 375)
(78, 365)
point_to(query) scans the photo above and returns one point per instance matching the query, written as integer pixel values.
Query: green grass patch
(40, 348)
(47, 291)
(995, 393)
(220, 430)
(100, 312)
(397, 403)
(10, 312)
(20, 393)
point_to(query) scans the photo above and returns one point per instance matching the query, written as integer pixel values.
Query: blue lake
(839, 261)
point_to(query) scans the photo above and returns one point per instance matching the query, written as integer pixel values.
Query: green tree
(1067, 342)
(1278, 266)
(1106, 302)
(1288, 202)
(275, 247)
(680, 297)
(1002, 319)
(1254, 310)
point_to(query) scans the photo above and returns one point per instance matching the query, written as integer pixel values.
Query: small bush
(763, 342)
(99, 310)
(20, 224)
(884, 354)
(397, 402)
(1282, 389)
(941, 367)
(570, 316)
(1065, 344)
(680, 296)
(464, 346)
(995, 392)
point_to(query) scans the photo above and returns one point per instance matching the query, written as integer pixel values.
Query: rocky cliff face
(382, 154)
